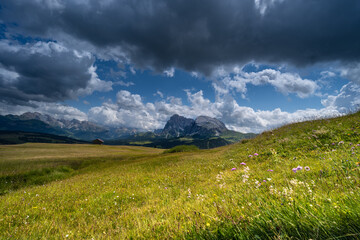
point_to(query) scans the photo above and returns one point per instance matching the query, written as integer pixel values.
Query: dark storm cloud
(201, 34)
(42, 71)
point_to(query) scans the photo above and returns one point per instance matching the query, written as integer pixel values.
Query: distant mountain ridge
(43, 123)
(73, 124)
(204, 132)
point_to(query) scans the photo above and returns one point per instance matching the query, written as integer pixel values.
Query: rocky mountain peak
(210, 123)
(176, 125)
(203, 126)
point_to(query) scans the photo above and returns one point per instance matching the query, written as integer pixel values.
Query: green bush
(182, 148)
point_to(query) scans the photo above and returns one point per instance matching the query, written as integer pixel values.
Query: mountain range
(204, 132)
(42, 123)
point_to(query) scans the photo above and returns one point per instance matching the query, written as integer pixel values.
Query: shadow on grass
(35, 177)
(66, 170)
(43, 176)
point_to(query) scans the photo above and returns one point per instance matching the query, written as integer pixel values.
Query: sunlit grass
(244, 191)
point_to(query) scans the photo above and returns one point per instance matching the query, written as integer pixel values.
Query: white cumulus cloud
(130, 110)
(285, 83)
(348, 99)
(169, 72)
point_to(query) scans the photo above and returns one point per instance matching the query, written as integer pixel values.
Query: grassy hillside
(149, 139)
(300, 182)
(233, 136)
(160, 142)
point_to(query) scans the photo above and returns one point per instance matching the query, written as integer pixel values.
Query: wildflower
(358, 163)
(245, 177)
(333, 144)
(264, 180)
(272, 190)
(270, 170)
(233, 169)
(294, 170)
(299, 168)
(256, 154)
(307, 168)
(242, 163)
(296, 182)
(208, 224)
(219, 177)
(250, 156)
(341, 142)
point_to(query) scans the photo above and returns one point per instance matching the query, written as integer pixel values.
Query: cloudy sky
(254, 64)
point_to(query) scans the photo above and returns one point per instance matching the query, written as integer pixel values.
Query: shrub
(182, 148)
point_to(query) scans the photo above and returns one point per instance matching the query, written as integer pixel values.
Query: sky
(253, 64)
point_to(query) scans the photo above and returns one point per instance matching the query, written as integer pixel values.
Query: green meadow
(300, 181)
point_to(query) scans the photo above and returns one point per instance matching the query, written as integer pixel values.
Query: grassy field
(300, 181)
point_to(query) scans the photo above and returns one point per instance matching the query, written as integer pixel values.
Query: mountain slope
(13, 123)
(37, 122)
(18, 137)
(206, 126)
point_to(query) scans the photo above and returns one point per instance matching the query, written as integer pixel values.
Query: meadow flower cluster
(253, 155)
(299, 168)
(246, 174)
